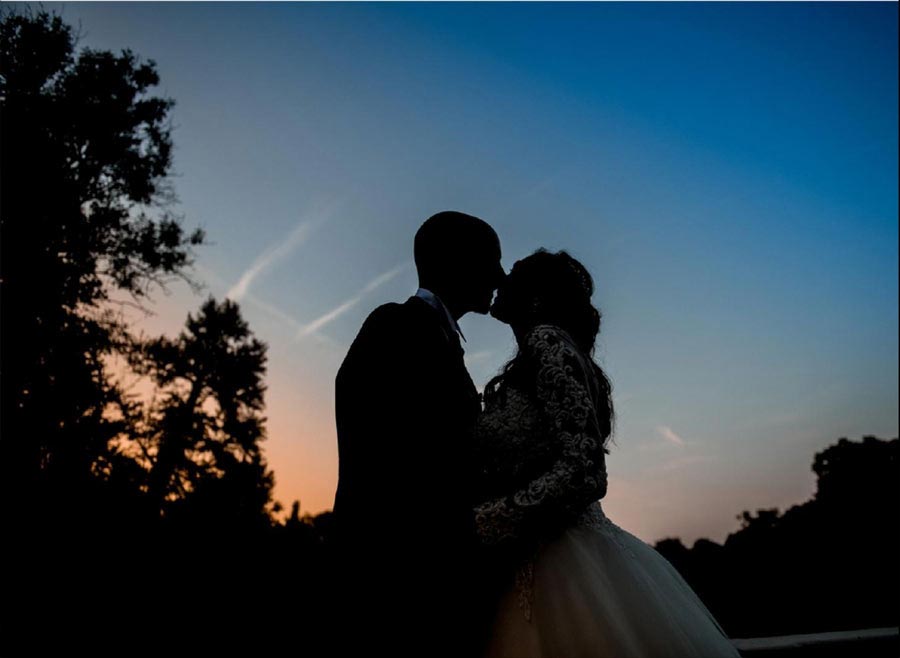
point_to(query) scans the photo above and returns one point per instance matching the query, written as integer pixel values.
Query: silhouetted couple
(474, 528)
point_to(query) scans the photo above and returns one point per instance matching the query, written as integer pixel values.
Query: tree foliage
(84, 214)
(822, 565)
(201, 436)
(121, 510)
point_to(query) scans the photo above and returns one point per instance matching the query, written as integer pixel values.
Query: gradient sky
(728, 173)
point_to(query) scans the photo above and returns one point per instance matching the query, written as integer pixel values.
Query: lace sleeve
(578, 477)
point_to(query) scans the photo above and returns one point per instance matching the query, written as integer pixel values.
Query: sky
(727, 172)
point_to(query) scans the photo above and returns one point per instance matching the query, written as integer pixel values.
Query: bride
(583, 587)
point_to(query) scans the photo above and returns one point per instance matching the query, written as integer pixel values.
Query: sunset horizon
(726, 173)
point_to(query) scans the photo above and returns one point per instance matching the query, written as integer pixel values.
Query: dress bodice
(538, 442)
(507, 439)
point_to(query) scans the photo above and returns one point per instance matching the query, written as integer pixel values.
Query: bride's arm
(578, 477)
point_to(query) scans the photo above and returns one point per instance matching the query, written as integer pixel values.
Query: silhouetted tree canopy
(825, 564)
(126, 519)
(201, 436)
(84, 214)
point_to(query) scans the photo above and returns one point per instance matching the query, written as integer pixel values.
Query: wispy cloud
(274, 311)
(669, 435)
(272, 255)
(383, 278)
(249, 298)
(328, 318)
(332, 315)
(288, 320)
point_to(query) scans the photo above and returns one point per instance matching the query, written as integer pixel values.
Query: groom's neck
(455, 312)
(447, 297)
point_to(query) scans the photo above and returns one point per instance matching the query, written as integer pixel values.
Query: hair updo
(550, 288)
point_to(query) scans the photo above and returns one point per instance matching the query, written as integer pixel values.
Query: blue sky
(726, 171)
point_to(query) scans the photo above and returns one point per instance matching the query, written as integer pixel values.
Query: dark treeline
(134, 522)
(827, 564)
(125, 518)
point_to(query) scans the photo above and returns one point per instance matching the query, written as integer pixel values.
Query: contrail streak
(669, 435)
(345, 306)
(271, 256)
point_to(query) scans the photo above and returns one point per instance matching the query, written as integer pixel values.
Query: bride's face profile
(507, 307)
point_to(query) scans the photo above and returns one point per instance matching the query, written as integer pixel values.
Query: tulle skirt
(598, 591)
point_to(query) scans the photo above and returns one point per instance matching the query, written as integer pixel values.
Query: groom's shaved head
(458, 259)
(449, 238)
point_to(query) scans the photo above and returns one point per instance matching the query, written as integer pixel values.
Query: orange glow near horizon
(301, 450)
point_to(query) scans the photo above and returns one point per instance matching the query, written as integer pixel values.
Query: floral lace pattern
(541, 453)
(560, 427)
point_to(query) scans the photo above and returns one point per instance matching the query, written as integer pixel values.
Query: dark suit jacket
(406, 409)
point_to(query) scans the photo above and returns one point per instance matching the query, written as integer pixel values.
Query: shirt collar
(435, 302)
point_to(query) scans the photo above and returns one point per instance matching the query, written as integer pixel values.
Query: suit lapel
(450, 334)
(451, 338)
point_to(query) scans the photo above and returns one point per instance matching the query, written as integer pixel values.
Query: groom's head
(458, 259)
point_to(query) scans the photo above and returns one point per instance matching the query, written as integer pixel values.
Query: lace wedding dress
(584, 587)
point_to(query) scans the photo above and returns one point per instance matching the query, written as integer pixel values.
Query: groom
(406, 409)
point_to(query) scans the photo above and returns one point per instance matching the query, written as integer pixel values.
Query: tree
(828, 563)
(201, 438)
(84, 213)
(859, 476)
(87, 229)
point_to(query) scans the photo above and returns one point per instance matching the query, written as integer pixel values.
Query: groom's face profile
(486, 275)
(458, 258)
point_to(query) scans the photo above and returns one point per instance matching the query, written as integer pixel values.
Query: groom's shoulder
(393, 318)
(387, 315)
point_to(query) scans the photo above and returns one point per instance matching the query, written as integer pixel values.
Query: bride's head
(549, 288)
(552, 288)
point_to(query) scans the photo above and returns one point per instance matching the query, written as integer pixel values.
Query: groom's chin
(497, 312)
(483, 307)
